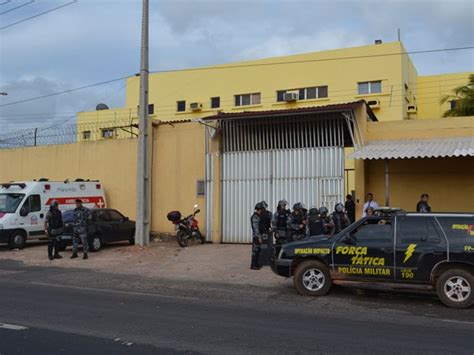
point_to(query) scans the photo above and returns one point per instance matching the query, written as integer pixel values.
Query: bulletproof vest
(298, 219)
(265, 222)
(337, 217)
(282, 218)
(316, 226)
(55, 220)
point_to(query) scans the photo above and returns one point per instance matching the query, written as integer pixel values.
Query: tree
(463, 97)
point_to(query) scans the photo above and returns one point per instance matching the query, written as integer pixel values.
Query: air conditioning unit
(195, 106)
(374, 103)
(290, 96)
(412, 109)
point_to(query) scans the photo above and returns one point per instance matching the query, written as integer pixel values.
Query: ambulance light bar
(9, 184)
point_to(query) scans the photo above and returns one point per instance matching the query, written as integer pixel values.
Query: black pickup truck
(399, 249)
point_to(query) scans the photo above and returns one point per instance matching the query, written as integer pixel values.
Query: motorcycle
(187, 228)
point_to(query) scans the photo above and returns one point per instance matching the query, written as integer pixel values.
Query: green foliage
(464, 97)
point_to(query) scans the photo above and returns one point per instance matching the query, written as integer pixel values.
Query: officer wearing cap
(82, 216)
(339, 219)
(279, 222)
(53, 227)
(297, 222)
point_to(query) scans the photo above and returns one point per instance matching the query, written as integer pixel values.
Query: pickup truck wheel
(312, 278)
(455, 288)
(96, 243)
(17, 240)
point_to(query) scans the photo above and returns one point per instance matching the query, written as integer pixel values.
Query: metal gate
(299, 159)
(312, 176)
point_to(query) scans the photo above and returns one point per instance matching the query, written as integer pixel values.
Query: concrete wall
(448, 181)
(112, 162)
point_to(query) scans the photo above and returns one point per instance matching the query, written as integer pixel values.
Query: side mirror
(24, 210)
(197, 211)
(349, 239)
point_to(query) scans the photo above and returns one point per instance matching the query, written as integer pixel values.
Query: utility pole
(142, 229)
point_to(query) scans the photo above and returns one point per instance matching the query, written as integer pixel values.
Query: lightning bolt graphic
(409, 252)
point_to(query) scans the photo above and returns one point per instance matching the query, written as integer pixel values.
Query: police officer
(279, 222)
(339, 219)
(257, 236)
(53, 227)
(328, 226)
(319, 222)
(82, 216)
(297, 222)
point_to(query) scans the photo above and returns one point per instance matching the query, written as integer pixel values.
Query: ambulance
(24, 204)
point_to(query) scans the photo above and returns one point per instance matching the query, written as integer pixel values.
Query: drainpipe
(387, 186)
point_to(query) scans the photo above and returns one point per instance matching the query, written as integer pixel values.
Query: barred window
(247, 99)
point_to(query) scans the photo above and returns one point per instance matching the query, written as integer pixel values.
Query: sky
(91, 41)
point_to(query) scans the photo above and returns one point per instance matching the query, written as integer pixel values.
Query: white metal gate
(314, 176)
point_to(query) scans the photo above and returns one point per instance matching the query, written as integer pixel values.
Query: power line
(38, 15)
(230, 66)
(5, 2)
(16, 7)
(63, 92)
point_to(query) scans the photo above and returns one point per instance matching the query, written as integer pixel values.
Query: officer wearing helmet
(261, 225)
(297, 222)
(279, 222)
(319, 222)
(339, 219)
(53, 227)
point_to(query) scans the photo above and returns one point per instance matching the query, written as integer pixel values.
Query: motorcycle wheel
(201, 239)
(182, 239)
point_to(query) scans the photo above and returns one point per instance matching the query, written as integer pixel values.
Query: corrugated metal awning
(417, 148)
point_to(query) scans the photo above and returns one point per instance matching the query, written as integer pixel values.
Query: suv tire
(96, 243)
(455, 288)
(312, 278)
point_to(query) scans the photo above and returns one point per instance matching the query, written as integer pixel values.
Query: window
(10, 202)
(86, 135)
(459, 229)
(370, 232)
(247, 99)
(453, 104)
(115, 216)
(201, 188)
(215, 102)
(151, 109)
(181, 106)
(370, 87)
(281, 95)
(107, 133)
(102, 216)
(32, 204)
(316, 92)
(417, 229)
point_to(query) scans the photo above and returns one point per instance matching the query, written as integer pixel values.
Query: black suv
(433, 251)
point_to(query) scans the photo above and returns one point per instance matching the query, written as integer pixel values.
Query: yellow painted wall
(432, 88)
(112, 162)
(448, 181)
(429, 128)
(178, 162)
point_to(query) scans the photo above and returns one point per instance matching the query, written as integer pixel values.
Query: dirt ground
(222, 263)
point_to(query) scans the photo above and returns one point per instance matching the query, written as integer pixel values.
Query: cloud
(92, 40)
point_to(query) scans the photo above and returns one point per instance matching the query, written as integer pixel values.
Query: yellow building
(228, 136)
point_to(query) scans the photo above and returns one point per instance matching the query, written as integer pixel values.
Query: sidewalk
(221, 263)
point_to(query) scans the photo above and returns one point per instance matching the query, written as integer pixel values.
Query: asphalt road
(77, 311)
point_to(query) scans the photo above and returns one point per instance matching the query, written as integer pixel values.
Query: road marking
(115, 291)
(12, 326)
(457, 321)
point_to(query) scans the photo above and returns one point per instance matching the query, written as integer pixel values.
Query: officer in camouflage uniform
(261, 225)
(82, 216)
(53, 227)
(279, 222)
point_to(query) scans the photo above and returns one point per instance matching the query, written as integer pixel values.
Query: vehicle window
(68, 217)
(370, 232)
(10, 202)
(102, 216)
(35, 203)
(418, 229)
(458, 228)
(115, 216)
